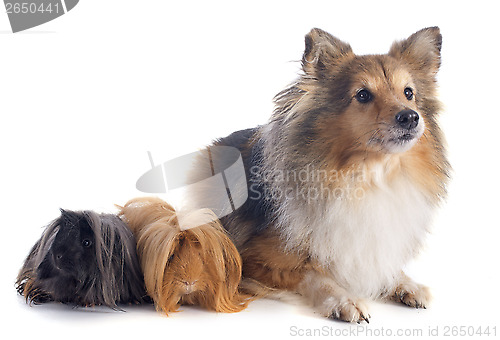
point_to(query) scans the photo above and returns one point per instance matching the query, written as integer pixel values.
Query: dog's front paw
(351, 311)
(413, 295)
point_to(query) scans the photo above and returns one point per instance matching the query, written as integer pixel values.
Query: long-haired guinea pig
(85, 259)
(194, 264)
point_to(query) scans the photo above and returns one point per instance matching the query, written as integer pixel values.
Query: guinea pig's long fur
(195, 266)
(85, 259)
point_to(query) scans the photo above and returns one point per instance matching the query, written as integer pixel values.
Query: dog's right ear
(323, 51)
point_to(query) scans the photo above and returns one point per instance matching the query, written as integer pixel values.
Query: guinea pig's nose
(189, 285)
(407, 119)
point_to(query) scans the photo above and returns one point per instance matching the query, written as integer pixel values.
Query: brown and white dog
(344, 179)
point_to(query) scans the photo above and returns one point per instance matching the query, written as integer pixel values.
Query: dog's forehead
(380, 72)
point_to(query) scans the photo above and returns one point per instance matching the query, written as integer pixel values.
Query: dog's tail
(259, 290)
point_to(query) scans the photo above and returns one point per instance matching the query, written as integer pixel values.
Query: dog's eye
(408, 93)
(363, 96)
(86, 243)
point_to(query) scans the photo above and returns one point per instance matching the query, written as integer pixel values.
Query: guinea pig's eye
(408, 93)
(363, 96)
(86, 243)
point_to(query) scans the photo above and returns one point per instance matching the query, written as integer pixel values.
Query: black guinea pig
(85, 259)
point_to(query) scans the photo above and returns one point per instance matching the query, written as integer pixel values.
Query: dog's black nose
(407, 119)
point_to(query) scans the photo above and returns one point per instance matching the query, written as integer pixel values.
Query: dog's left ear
(422, 50)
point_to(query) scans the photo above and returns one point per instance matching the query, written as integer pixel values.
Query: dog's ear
(323, 51)
(422, 50)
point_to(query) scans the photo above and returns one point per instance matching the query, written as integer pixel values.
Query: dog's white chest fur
(366, 242)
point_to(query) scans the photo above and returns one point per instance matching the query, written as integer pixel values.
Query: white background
(84, 97)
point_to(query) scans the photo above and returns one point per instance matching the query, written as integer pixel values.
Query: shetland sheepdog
(345, 177)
